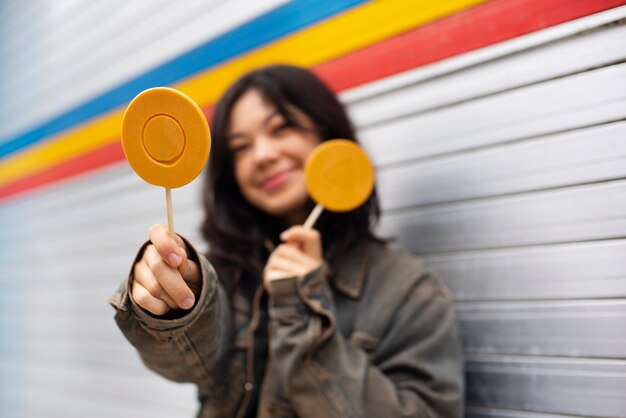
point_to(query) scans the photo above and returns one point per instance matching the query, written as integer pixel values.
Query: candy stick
(315, 213)
(170, 212)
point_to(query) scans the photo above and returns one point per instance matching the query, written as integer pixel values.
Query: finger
(292, 261)
(163, 229)
(308, 240)
(284, 265)
(294, 254)
(167, 246)
(170, 279)
(144, 299)
(275, 272)
(143, 275)
(189, 270)
(274, 275)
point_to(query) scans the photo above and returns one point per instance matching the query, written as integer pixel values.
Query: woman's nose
(265, 150)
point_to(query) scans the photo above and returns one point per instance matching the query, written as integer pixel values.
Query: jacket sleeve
(415, 370)
(186, 348)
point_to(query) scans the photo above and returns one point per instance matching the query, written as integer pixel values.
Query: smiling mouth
(277, 180)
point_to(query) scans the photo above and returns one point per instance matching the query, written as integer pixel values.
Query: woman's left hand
(298, 256)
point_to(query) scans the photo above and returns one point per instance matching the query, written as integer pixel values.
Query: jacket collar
(348, 273)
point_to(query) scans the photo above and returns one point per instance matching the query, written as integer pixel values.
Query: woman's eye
(280, 128)
(239, 148)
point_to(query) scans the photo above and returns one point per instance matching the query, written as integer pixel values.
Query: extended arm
(183, 346)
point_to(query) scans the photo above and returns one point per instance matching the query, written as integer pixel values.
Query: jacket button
(248, 387)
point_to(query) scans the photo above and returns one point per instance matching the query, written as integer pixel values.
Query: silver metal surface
(568, 271)
(593, 154)
(587, 328)
(581, 213)
(585, 387)
(482, 412)
(569, 103)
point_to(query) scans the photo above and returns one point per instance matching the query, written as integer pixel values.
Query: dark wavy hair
(239, 235)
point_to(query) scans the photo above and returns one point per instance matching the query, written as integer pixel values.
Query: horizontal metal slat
(125, 391)
(480, 412)
(589, 328)
(53, 400)
(568, 271)
(145, 202)
(582, 156)
(590, 388)
(576, 101)
(583, 213)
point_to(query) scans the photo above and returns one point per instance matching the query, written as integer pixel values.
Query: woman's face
(269, 157)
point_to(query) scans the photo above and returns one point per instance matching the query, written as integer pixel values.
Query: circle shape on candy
(165, 137)
(339, 175)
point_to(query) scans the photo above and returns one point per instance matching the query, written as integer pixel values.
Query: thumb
(189, 269)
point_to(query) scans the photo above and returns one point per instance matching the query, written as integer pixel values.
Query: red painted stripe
(208, 111)
(481, 26)
(81, 164)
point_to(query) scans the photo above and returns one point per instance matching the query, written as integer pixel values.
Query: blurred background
(498, 130)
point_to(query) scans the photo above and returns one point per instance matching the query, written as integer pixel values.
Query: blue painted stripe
(257, 32)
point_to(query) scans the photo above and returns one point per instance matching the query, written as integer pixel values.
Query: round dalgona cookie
(165, 137)
(339, 175)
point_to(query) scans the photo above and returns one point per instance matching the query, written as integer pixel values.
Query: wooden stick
(315, 213)
(170, 212)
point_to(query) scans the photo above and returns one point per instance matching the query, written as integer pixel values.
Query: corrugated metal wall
(506, 172)
(503, 167)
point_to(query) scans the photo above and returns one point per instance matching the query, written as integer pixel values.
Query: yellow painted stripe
(365, 25)
(77, 141)
(347, 32)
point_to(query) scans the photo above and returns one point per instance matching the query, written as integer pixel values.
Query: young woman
(277, 320)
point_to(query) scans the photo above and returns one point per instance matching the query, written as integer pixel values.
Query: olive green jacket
(373, 335)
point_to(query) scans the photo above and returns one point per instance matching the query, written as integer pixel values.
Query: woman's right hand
(164, 278)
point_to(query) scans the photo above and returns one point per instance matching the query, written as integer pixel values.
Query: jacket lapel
(349, 272)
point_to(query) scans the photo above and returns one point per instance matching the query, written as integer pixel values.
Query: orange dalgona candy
(165, 137)
(339, 175)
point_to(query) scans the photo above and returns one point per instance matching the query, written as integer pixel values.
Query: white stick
(315, 213)
(170, 212)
